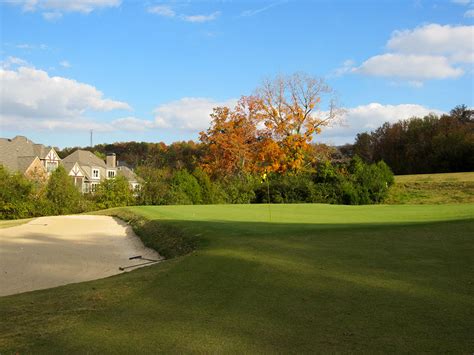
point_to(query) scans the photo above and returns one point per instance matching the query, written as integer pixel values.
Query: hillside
(432, 189)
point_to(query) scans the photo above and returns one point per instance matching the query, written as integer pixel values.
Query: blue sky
(152, 71)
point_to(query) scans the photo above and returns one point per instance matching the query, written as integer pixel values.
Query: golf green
(280, 278)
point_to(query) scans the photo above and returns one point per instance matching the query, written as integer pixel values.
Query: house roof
(41, 151)
(18, 153)
(24, 163)
(69, 166)
(84, 157)
(127, 173)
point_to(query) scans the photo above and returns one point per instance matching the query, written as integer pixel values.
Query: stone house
(88, 170)
(35, 161)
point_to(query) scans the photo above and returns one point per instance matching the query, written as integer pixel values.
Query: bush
(239, 189)
(113, 193)
(61, 194)
(353, 183)
(370, 183)
(184, 189)
(16, 195)
(211, 193)
(291, 188)
(155, 187)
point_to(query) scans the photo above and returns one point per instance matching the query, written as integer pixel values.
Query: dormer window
(95, 173)
(110, 174)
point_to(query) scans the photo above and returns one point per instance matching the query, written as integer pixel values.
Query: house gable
(76, 171)
(51, 160)
(18, 153)
(52, 155)
(36, 171)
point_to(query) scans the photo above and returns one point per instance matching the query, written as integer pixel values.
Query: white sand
(54, 251)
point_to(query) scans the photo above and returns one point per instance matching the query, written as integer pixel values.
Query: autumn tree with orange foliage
(231, 140)
(292, 113)
(270, 131)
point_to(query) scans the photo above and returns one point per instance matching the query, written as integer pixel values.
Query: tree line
(430, 144)
(261, 151)
(23, 198)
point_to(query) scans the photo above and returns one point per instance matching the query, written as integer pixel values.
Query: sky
(152, 70)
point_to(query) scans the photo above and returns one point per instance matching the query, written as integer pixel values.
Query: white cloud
(27, 5)
(133, 124)
(12, 61)
(347, 67)
(410, 66)
(415, 83)
(201, 18)
(54, 9)
(29, 93)
(52, 16)
(162, 10)
(188, 113)
(31, 46)
(454, 42)
(83, 124)
(254, 12)
(65, 64)
(366, 118)
(461, 2)
(431, 51)
(84, 6)
(469, 13)
(167, 11)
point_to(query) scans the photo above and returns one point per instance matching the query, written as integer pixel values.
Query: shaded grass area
(314, 278)
(432, 189)
(13, 222)
(168, 240)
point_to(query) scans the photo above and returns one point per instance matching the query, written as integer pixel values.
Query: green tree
(155, 187)
(16, 195)
(61, 194)
(184, 190)
(211, 193)
(113, 193)
(369, 183)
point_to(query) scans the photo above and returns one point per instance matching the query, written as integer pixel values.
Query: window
(94, 187)
(111, 174)
(95, 173)
(51, 166)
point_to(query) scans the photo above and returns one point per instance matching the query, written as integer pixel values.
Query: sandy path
(54, 251)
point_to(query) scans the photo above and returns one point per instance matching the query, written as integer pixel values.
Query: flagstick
(268, 196)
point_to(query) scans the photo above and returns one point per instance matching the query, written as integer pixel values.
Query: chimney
(111, 160)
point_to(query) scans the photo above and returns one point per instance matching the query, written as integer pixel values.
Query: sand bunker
(54, 251)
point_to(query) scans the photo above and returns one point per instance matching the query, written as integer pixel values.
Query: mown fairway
(314, 278)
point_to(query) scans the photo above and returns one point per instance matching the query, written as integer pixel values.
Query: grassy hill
(288, 279)
(432, 189)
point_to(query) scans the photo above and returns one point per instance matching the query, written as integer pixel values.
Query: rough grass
(13, 222)
(168, 240)
(446, 177)
(292, 279)
(432, 189)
